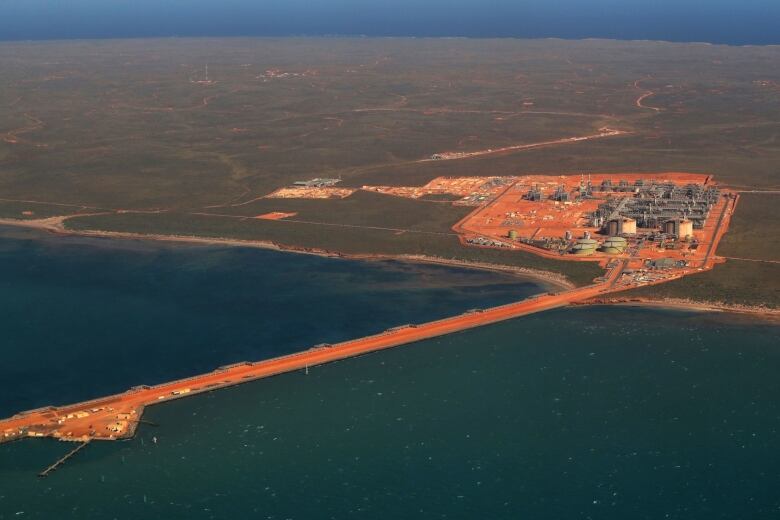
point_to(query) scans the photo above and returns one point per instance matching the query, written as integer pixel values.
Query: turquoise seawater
(586, 413)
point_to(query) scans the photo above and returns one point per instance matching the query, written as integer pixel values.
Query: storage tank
(685, 229)
(584, 246)
(672, 227)
(614, 227)
(512, 234)
(621, 226)
(629, 226)
(614, 246)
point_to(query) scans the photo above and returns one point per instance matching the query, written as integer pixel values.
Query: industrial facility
(317, 183)
(660, 220)
(654, 204)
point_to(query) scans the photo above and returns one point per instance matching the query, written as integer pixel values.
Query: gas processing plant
(662, 221)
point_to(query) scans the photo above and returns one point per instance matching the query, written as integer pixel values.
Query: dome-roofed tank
(584, 246)
(614, 245)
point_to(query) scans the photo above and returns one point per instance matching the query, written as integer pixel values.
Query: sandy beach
(56, 225)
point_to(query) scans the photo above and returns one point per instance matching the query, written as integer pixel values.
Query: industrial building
(585, 188)
(317, 183)
(534, 194)
(654, 204)
(560, 195)
(665, 263)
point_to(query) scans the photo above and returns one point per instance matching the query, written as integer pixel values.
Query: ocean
(87, 317)
(607, 413)
(744, 22)
(591, 413)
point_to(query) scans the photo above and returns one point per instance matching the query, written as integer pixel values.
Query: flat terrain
(136, 132)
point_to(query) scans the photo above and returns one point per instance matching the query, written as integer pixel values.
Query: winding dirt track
(606, 132)
(645, 94)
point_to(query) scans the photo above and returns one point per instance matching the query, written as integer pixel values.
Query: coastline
(550, 280)
(56, 225)
(762, 313)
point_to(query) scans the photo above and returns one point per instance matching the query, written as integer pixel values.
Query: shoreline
(56, 225)
(757, 312)
(551, 281)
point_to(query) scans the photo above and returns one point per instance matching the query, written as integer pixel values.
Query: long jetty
(62, 460)
(117, 416)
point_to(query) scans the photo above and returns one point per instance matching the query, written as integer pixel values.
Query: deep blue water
(81, 318)
(717, 21)
(586, 413)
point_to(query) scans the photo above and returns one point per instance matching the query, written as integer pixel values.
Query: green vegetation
(754, 227)
(735, 283)
(31, 210)
(349, 240)
(361, 209)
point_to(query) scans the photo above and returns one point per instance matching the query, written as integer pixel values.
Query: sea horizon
(752, 22)
(380, 37)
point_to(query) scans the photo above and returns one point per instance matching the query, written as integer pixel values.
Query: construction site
(467, 191)
(312, 189)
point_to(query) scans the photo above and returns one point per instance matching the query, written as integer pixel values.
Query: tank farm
(641, 228)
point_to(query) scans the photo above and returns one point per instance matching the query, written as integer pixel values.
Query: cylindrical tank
(621, 226)
(672, 227)
(614, 245)
(567, 236)
(685, 229)
(512, 234)
(629, 226)
(613, 227)
(584, 246)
